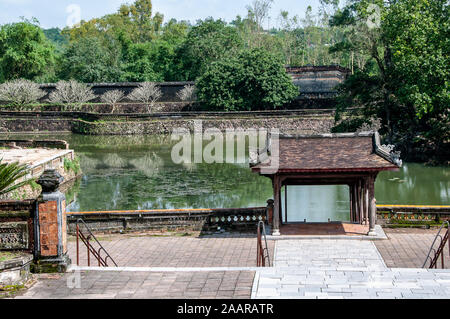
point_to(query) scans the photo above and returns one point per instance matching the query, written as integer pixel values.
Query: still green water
(136, 172)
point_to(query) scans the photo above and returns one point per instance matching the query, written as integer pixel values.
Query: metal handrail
(440, 250)
(102, 262)
(260, 255)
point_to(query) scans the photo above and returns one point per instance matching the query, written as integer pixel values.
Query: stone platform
(37, 158)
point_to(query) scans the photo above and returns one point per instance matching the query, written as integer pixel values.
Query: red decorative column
(50, 253)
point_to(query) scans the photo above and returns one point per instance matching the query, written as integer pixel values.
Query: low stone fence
(401, 215)
(175, 219)
(16, 225)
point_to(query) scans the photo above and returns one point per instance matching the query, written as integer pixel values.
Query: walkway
(134, 250)
(408, 247)
(303, 268)
(342, 268)
(143, 285)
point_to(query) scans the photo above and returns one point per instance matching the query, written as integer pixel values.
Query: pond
(137, 172)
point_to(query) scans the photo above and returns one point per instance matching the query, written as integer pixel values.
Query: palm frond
(9, 174)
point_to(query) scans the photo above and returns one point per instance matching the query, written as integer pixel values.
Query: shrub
(148, 93)
(20, 92)
(72, 93)
(187, 93)
(112, 97)
(253, 80)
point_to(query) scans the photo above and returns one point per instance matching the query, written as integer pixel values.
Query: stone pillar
(50, 252)
(277, 204)
(372, 207)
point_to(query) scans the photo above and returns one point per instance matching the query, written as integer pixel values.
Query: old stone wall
(16, 225)
(303, 125)
(302, 121)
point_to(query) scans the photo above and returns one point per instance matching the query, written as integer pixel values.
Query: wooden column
(372, 206)
(276, 206)
(366, 201)
(285, 204)
(361, 201)
(350, 187)
(355, 203)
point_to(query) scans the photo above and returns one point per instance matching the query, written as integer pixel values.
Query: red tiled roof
(330, 153)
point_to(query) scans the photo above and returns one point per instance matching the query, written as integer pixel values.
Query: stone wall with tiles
(206, 220)
(48, 228)
(16, 225)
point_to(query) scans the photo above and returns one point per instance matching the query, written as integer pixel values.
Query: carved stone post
(50, 253)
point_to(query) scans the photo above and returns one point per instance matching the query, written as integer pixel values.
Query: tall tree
(92, 60)
(25, 52)
(206, 42)
(254, 79)
(406, 80)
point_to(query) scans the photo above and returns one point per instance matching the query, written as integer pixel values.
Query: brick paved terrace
(145, 250)
(408, 247)
(145, 285)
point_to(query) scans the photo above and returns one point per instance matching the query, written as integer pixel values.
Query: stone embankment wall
(303, 125)
(302, 121)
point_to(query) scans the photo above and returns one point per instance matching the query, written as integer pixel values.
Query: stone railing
(412, 214)
(174, 219)
(14, 143)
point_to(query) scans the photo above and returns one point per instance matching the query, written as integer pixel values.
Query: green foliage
(72, 165)
(253, 80)
(9, 174)
(55, 36)
(208, 41)
(90, 60)
(406, 81)
(25, 52)
(150, 61)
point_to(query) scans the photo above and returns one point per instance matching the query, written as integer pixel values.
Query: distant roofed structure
(317, 84)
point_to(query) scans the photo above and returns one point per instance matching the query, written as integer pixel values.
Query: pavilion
(352, 159)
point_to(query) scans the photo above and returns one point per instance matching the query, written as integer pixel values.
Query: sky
(60, 13)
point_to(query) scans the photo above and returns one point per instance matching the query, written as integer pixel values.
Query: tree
(253, 80)
(206, 42)
(148, 93)
(25, 52)
(90, 60)
(20, 92)
(405, 81)
(150, 61)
